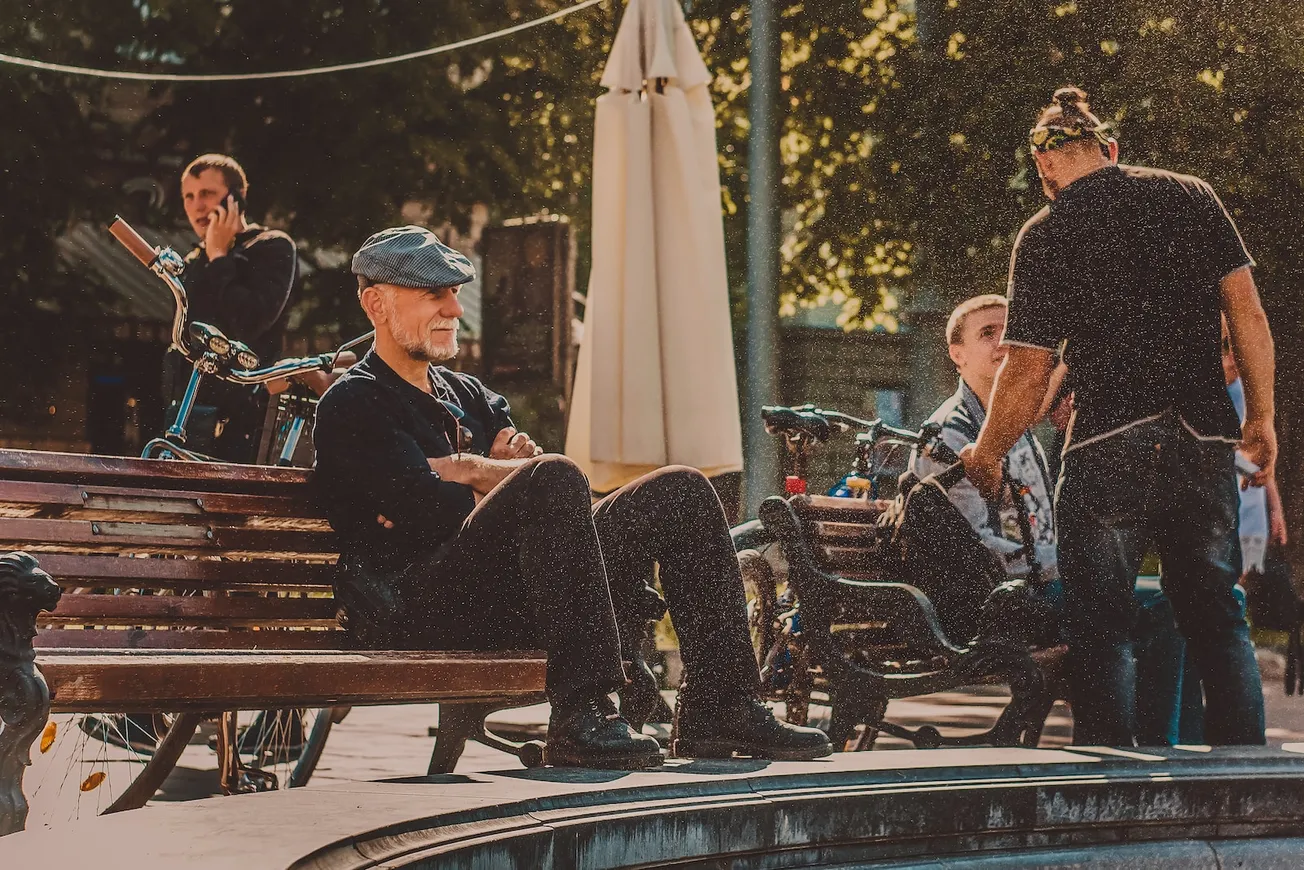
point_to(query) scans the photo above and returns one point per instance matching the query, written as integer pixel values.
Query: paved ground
(375, 743)
(811, 812)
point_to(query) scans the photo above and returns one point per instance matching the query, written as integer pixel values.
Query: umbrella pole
(761, 464)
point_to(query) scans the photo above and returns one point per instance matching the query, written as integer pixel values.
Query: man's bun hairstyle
(1069, 97)
(1069, 108)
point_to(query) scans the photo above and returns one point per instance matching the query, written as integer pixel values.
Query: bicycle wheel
(88, 764)
(270, 749)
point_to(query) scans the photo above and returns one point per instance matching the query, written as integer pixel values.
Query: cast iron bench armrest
(861, 684)
(903, 605)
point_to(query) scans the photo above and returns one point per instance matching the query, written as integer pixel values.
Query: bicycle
(278, 745)
(774, 618)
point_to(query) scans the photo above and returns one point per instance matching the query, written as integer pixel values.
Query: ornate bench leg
(25, 590)
(457, 724)
(850, 710)
(24, 707)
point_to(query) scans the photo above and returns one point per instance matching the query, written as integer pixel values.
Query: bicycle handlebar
(878, 430)
(286, 368)
(820, 425)
(167, 265)
(132, 241)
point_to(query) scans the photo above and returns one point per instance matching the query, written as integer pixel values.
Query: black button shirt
(1126, 266)
(373, 433)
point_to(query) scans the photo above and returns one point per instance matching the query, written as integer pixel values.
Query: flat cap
(411, 256)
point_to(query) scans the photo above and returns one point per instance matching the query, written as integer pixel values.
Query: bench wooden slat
(88, 470)
(857, 558)
(200, 639)
(83, 516)
(127, 573)
(117, 681)
(76, 500)
(20, 533)
(844, 534)
(846, 531)
(90, 609)
(852, 510)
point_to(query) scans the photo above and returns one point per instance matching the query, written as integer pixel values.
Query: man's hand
(452, 468)
(478, 472)
(1276, 516)
(985, 473)
(223, 225)
(1259, 445)
(511, 444)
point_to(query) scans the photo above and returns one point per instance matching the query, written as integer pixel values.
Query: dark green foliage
(904, 165)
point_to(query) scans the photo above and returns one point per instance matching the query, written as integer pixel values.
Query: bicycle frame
(211, 361)
(168, 266)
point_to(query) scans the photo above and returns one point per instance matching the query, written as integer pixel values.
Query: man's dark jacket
(374, 433)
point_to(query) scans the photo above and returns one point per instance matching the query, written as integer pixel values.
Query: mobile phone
(239, 200)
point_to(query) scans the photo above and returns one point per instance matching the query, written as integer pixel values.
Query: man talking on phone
(239, 279)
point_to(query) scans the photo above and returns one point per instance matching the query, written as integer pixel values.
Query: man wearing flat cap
(459, 533)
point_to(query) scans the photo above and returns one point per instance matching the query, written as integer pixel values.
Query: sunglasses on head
(1043, 139)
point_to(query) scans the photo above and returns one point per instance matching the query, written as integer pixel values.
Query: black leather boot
(743, 726)
(590, 733)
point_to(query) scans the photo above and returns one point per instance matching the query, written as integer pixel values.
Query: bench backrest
(843, 534)
(237, 556)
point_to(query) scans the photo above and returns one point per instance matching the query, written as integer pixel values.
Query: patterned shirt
(997, 523)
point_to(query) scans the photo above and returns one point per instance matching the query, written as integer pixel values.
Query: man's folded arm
(367, 459)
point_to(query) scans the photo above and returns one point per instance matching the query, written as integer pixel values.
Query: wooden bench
(867, 639)
(194, 589)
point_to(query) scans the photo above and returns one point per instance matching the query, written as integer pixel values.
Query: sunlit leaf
(93, 781)
(47, 736)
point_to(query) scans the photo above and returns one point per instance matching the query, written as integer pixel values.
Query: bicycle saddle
(796, 421)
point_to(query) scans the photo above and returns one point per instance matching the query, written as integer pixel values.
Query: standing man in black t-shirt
(239, 279)
(1130, 269)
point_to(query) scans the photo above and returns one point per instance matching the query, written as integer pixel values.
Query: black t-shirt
(1126, 266)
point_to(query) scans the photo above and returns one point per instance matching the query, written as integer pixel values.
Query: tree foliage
(905, 172)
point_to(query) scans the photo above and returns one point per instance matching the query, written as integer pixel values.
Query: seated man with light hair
(973, 334)
(460, 533)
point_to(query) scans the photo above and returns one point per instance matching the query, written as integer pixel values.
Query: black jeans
(1156, 484)
(537, 565)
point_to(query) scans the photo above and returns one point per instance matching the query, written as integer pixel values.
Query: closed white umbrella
(655, 384)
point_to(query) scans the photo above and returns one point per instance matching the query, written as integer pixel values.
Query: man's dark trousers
(1154, 483)
(537, 565)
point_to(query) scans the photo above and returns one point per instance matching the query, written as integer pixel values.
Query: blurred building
(862, 373)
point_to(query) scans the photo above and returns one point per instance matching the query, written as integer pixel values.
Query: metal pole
(761, 465)
(932, 374)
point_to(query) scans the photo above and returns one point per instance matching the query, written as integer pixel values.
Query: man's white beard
(422, 346)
